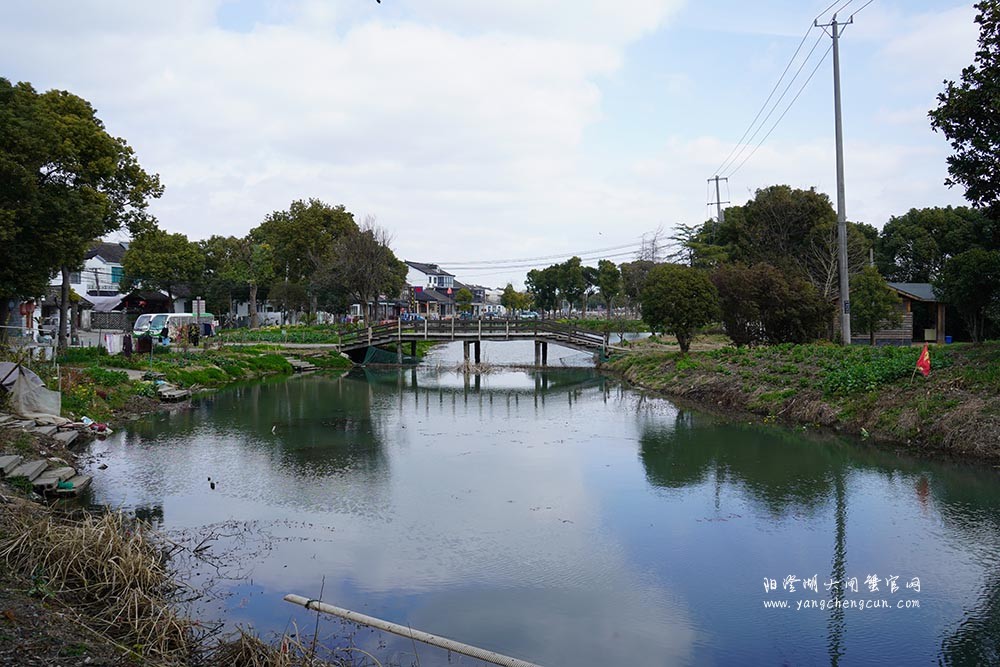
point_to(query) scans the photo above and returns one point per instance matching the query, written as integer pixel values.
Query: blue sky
(477, 131)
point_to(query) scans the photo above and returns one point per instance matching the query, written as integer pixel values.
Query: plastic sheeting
(35, 401)
(9, 372)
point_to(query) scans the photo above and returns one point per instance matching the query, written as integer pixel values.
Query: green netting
(376, 355)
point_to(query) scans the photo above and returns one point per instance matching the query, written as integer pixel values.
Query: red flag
(924, 362)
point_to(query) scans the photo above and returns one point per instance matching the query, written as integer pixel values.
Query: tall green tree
(572, 281)
(64, 181)
(679, 300)
(250, 263)
(793, 230)
(915, 246)
(634, 278)
(158, 260)
(301, 237)
(968, 113)
(873, 304)
(970, 282)
(543, 285)
(609, 282)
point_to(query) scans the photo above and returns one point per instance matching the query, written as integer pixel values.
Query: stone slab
(8, 463)
(66, 437)
(79, 482)
(31, 470)
(51, 477)
(45, 430)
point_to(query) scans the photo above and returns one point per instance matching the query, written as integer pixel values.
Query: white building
(429, 276)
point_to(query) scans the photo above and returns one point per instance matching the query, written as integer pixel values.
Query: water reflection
(779, 468)
(560, 517)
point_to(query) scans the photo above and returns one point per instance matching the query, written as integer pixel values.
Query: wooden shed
(912, 296)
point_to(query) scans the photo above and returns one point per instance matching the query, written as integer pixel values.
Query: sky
(478, 132)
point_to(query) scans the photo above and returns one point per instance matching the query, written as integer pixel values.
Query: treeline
(311, 257)
(768, 272)
(777, 256)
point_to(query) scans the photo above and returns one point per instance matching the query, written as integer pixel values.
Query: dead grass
(108, 571)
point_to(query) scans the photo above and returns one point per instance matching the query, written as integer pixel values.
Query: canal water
(564, 519)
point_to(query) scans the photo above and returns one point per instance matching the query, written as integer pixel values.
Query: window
(74, 278)
(116, 274)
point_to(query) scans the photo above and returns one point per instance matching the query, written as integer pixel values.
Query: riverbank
(862, 391)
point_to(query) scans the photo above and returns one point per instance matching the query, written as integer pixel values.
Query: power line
(858, 11)
(790, 104)
(770, 95)
(475, 274)
(492, 262)
(532, 264)
(743, 147)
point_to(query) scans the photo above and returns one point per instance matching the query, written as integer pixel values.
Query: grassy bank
(861, 390)
(96, 384)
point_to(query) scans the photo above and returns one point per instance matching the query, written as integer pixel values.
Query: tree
(463, 298)
(634, 278)
(793, 230)
(572, 281)
(679, 300)
(158, 260)
(873, 304)
(970, 282)
(252, 264)
(509, 298)
(740, 311)
(609, 282)
(364, 266)
(791, 309)
(64, 181)
(543, 285)
(915, 246)
(968, 113)
(301, 238)
(695, 248)
(762, 304)
(289, 297)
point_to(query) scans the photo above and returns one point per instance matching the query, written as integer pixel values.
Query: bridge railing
(457, 328)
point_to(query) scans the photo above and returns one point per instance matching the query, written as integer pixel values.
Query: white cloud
(462, 126)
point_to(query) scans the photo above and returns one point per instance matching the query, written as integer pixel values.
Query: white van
(163, 325)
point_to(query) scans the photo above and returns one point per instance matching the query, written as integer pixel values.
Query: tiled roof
(432, 295)
(429, 269)
(917, 291)
(112, 253)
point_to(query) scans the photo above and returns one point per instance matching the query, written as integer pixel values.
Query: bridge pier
(465, 351)
(399, 352)
(413, 348)
(541, 353)
(479, 356)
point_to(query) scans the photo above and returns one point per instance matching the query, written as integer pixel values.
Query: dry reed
(108, 570)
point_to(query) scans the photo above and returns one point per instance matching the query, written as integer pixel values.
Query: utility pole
(721, 217)
(836, 29)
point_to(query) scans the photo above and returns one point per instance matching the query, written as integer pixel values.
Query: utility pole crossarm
(718, 198)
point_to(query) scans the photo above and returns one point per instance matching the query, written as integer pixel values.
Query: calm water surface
(564, 519)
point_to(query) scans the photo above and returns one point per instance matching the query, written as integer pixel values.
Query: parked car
(529, 315)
